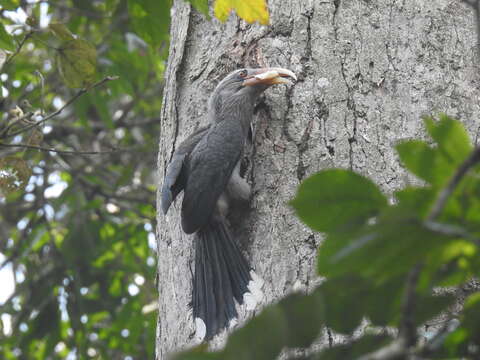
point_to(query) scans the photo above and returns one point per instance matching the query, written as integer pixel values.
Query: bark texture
(368, 71)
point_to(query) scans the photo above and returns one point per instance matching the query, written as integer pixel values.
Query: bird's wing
(210, 167)
(174, 180)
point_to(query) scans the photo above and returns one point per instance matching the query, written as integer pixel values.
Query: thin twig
(17, 50)
(69, 102)
(451, 231)
(437, 341)
(394, 350)
(408, 329)
(25, 116)
(42, 90)
(65, 152)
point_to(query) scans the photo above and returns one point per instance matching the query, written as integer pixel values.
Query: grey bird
(206, 167)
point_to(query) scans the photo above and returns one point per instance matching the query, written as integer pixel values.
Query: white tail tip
(255, 296)
(200, 329)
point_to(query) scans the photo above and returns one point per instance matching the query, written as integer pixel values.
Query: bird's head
(245, 85)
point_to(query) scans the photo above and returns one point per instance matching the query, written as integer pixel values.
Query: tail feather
(222, 286)
(222, 274)
(239, 276)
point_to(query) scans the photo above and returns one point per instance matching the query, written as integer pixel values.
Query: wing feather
(211, 164)
(175, 177)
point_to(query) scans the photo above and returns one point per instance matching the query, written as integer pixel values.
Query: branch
(68, 103)
(394, 350)
(398, 349)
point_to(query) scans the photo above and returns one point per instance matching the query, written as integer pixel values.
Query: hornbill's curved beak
(270, 76)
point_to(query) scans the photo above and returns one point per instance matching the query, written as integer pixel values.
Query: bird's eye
(243, 73)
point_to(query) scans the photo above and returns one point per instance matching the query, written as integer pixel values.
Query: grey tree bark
(368, 71)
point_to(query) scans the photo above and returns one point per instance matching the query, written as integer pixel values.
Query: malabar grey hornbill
(206, 167)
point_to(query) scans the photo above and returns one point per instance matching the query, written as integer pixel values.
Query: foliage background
(77, 206)
(77, 236)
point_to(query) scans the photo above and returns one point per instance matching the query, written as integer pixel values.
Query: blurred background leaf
(77, 245)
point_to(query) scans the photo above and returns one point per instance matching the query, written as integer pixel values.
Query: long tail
(222, 274)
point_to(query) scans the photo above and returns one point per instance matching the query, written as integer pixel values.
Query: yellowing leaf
(14, 174)
(61, 31)
(76, 61)
(248, 10)
(35, 138)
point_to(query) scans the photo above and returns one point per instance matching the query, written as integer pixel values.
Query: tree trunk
(367, 71)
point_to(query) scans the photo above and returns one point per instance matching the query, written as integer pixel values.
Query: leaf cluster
(372, 247)
(77, 222)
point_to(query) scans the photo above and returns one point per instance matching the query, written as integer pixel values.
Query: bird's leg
(237, 187)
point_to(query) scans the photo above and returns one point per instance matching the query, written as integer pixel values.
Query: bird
(206, 167)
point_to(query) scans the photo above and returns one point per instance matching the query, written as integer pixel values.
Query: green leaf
(262, 338)
(429, 306)
(471, 315)
(295, 321)
(61, 31)
(450, 265)
(363, 298)
(416, 200)
(354, 350)
(427, 163)
(76, 61)
(467, 336)
(304, 315)
(340, 294)
(6, 40)
(10, 4)
(337, 198)
(150, 19)
(451, 137)
(116, 287)
(388, 248)
(201, 6)
(248, 10)
(197, 353)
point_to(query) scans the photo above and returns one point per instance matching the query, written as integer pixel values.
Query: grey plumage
(205, 166)
(175, 179)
